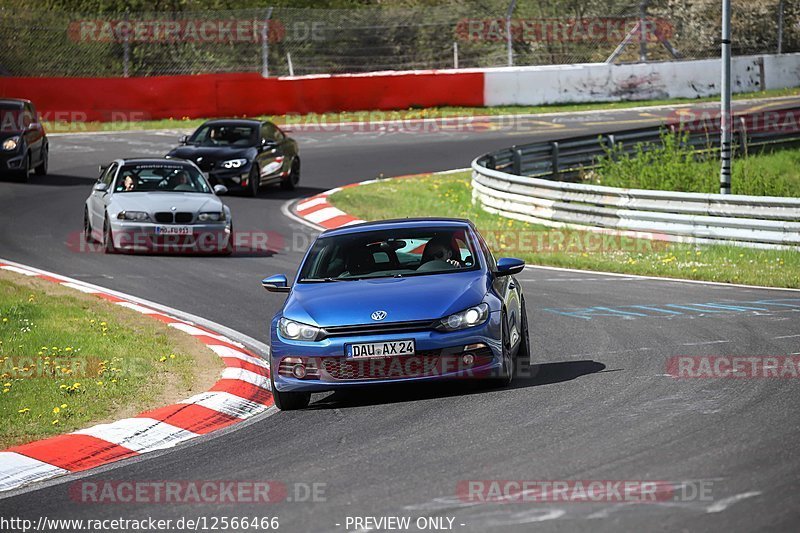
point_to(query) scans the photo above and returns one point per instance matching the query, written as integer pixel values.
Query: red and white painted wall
(215, 95)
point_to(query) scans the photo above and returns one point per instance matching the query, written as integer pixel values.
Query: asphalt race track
(600, 408)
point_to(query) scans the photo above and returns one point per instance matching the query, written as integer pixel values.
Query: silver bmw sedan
(157, 205)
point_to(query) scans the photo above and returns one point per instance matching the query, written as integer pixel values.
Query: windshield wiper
(324, 280)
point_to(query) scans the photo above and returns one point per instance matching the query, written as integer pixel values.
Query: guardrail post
(554, 160)
(516, 160)
(610, 142)
(742, 136)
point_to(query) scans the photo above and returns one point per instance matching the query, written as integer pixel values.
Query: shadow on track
(54, 180)
(276, 193)
(543, 374)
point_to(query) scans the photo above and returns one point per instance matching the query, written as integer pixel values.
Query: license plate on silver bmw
(380, 349)
(173, 230)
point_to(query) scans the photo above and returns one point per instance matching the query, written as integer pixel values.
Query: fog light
(299, 371)
(468, 359)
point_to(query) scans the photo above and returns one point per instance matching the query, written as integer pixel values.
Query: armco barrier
(525, 193)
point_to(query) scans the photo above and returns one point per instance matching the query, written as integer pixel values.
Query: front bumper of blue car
(474, 352)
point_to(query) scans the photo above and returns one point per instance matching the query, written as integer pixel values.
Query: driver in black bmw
(242, 154)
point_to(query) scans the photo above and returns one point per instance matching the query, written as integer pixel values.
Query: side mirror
(277, 283)
(507, 266)
(102, 168)
(220, 189)
(184, 139)
(100, 186)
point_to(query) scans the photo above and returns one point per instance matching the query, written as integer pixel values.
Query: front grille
(377, 329)
(167, 217)
(423, 364)
(183, 218)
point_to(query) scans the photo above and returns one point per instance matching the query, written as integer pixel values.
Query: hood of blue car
(342, 303)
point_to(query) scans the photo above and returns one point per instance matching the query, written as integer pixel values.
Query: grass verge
(185, 123)
(70, 360)
(451, 196)
(673, 166)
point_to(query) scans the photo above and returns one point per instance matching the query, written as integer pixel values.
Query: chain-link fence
(289, 41)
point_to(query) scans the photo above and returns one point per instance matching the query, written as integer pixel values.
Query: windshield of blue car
(160, 178)
(237, 136)
(398, 252)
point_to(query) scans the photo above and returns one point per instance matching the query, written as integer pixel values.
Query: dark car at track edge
(23, 141)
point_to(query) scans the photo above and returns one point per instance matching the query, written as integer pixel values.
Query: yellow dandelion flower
(56, 410)
(23, 411)
(55, 422)
(172, 356)
(63, 406)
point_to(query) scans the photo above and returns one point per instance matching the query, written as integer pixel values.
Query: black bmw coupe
(242, 154)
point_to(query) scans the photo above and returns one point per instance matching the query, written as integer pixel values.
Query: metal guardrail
(535, 182)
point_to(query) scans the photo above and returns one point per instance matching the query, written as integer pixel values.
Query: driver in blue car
(438, 249)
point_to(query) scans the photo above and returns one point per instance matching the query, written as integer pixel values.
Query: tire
(525, 364)
(87, 228)
(108, 239)
(294, 177)
(288, 401)
(507, 372)
(41, 168)
(253, 181)
(228, 250)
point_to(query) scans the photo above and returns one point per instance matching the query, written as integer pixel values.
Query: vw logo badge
(378, 315)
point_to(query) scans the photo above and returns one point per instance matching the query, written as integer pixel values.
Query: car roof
(155, 161)
(18, 101)
(410, 223)
(234, 122)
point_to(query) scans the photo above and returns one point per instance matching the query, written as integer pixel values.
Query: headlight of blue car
(139, 216)
(234, 163)
(211, 217)
(298, 331)
(465, 319)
